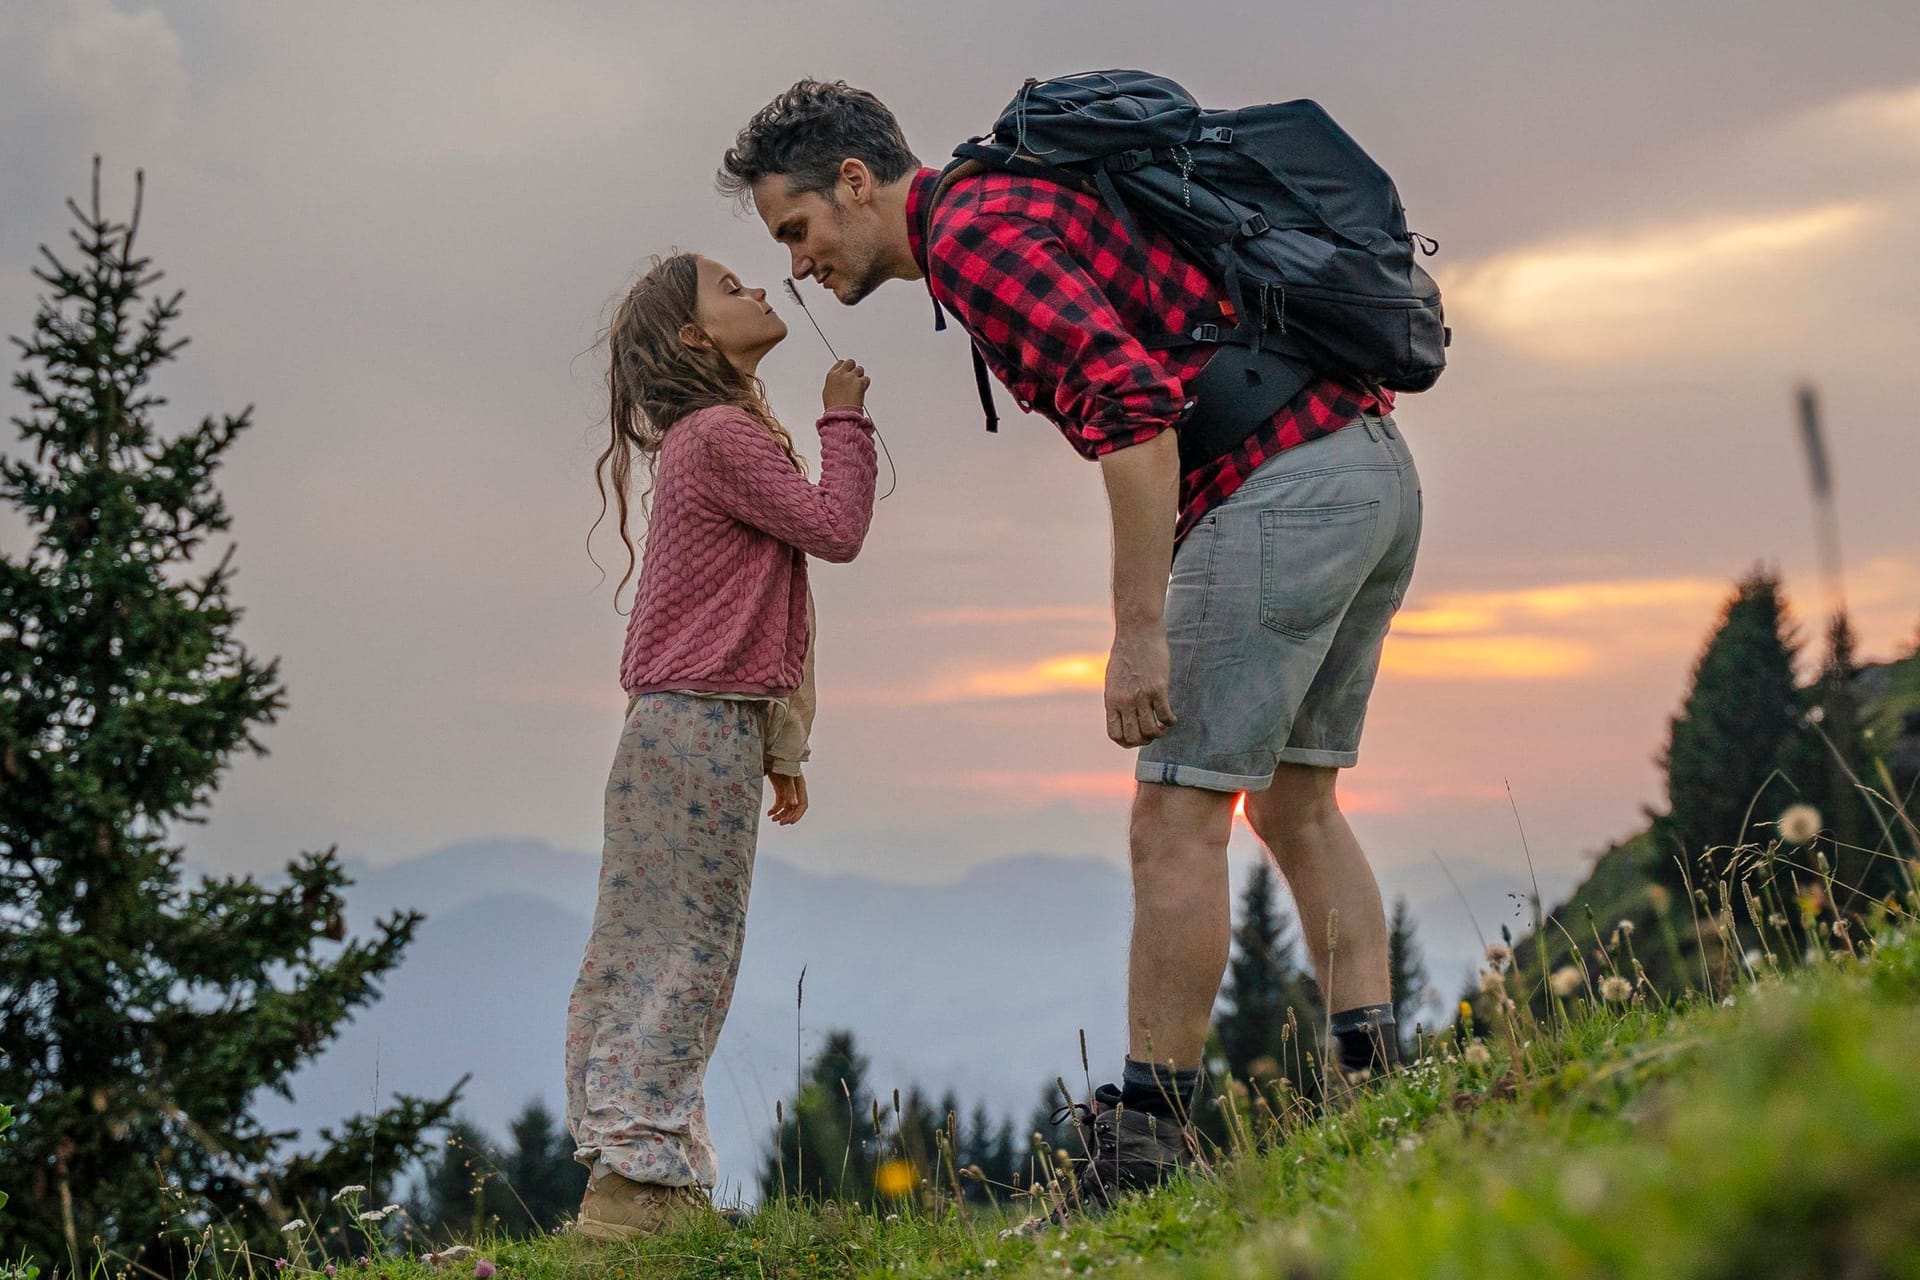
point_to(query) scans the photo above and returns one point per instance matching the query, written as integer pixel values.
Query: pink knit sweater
(722, 601)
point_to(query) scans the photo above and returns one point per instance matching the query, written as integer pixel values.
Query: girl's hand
(846, 386)
(789, 793)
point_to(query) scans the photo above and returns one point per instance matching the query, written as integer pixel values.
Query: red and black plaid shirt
(1043, 277)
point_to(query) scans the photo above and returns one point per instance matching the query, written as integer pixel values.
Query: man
(1246, 671)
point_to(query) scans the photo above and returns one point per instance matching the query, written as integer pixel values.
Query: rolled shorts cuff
(1319, 758)
(1187, 775)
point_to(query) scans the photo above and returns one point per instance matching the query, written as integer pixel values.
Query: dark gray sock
(1149, 1086)
(1367, 1039)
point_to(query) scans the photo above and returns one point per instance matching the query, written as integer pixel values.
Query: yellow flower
(896, 1178)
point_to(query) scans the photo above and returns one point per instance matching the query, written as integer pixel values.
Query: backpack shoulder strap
(965, 166)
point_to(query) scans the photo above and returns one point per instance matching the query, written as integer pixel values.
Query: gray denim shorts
(1279, 602)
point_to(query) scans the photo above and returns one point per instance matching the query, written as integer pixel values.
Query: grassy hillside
(1773, 1132)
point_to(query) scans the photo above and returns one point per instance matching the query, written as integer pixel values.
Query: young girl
(718, 667)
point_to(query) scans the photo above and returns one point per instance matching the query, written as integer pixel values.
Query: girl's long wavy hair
(654, 379)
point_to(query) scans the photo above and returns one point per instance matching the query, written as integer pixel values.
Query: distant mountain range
(980, 986)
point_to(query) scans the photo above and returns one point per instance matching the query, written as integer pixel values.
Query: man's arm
(1024, 297)
(1143, 496)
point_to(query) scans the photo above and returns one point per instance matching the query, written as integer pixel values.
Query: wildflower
(1491, 983)
(1477, 1055)
(1777, 920)
(1799, 823)
(298, 1224)
(1567, 980)
(355, 1190)
(895, 1178)
(1658, 896)
(328, 1271)
(281, 1264)
(1625, 928)
(1615, 988)
(1752, 959)
(1499, 956)
(483, 1270)
(1466, 1011)
(379, 1215)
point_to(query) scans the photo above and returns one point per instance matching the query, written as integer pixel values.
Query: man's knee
(1173, 826)
(1301, 798)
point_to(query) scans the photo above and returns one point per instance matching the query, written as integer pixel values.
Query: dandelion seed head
(1499, 956)
(1477, 1055)
(1491, 983)
(1625, 927)
(1615, 989)
(1799, 823)
(1567, 980)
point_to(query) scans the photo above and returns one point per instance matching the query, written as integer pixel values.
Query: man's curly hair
(806, 132)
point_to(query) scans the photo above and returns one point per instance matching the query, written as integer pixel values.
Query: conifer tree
(1406, 971)
(824, 1146)
(1737, 722)
(1263, 981)
(142, 1016)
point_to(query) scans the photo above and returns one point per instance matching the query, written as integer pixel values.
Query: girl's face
(734, 318)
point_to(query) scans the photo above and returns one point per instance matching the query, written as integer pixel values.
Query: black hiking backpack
(1301, 230)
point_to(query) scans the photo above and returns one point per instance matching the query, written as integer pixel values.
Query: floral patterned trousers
(682, 815)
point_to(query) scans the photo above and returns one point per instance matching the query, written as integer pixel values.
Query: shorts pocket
(1312, 562)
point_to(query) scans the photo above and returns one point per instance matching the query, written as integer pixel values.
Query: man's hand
(1137, 706)
(789, 798)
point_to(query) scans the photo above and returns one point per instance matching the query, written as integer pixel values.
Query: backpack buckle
(1128, 161)
(1206, 333)
(1256, 225)
(1216, 133)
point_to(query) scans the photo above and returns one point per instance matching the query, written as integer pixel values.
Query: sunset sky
(400, 228)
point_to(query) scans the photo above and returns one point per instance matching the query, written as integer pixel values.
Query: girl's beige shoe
(618, 1208)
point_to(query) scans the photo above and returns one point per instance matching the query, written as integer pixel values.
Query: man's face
(835, 242)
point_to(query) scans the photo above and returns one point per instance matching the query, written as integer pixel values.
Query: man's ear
(858, 179)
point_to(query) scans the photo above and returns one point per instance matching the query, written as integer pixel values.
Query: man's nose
(802, 265)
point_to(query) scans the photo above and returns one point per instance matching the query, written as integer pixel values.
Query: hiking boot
(1124, 1150)
(616, 1207)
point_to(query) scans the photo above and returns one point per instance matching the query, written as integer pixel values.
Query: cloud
(1062, 673)
(1728, 254)
(125, 70)
(1600, 299)
(1018, 615)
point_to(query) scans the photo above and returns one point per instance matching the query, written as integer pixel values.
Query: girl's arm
(757, 484)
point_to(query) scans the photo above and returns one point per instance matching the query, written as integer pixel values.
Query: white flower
(1499, 956)
(1491, 983)
(1799, 824)
(379, 1215)
(355, 1190)
(298, 1224)
(1567, 980)
(1477, 1055)
(1625, 927)
(1752, 959)
(1615, 988)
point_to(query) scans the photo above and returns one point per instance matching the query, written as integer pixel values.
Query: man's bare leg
(1182, 920)
(1299, 820)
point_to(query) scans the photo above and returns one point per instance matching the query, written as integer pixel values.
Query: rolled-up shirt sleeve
(1033, 307)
